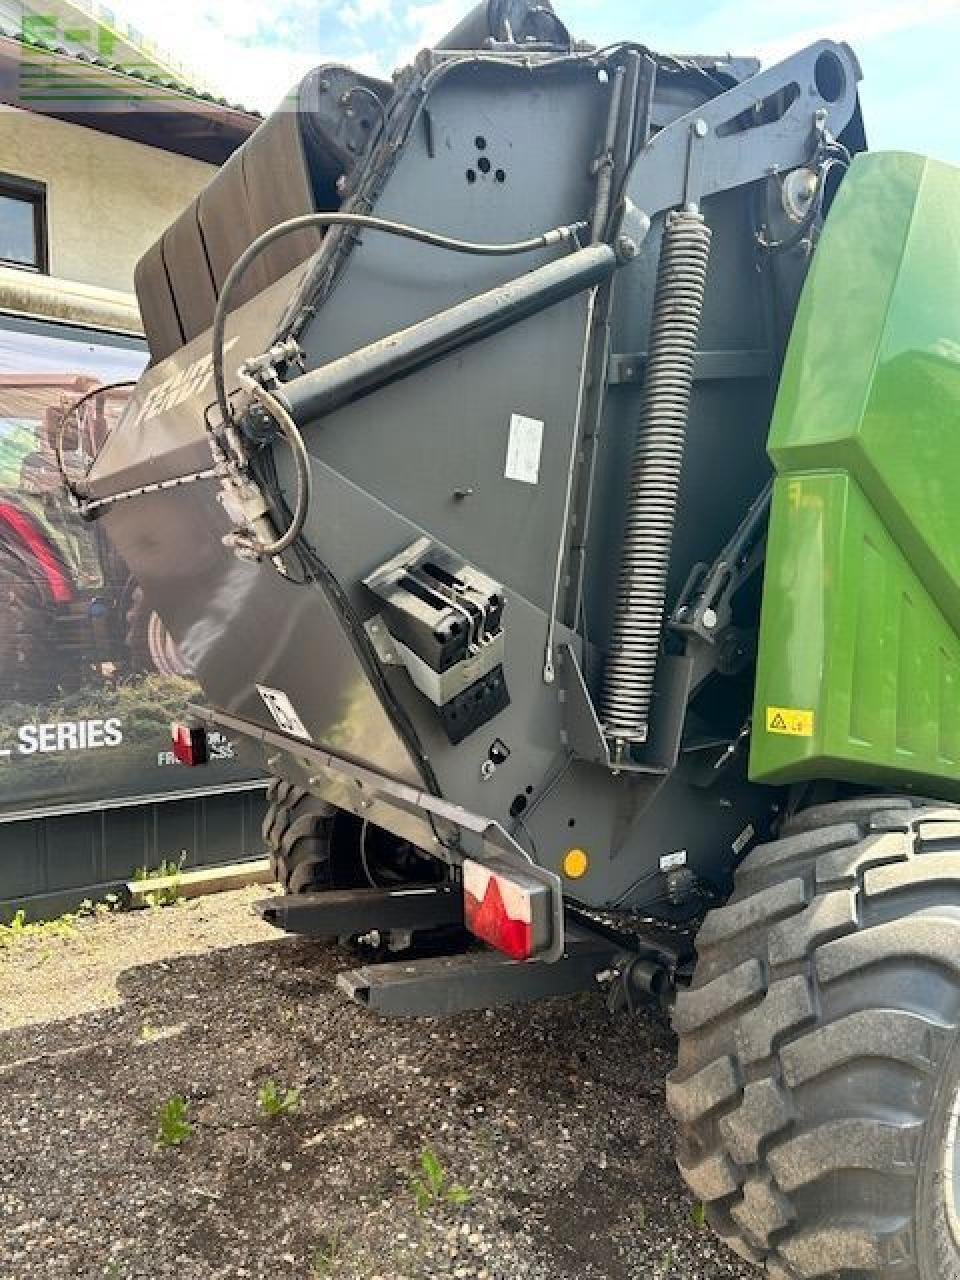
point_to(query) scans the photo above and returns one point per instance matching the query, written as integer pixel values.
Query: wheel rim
(951, 1170)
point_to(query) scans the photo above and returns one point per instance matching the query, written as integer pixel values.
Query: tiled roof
(131, 73)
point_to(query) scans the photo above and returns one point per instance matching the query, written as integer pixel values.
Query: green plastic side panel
(858, 641)
(861, 608)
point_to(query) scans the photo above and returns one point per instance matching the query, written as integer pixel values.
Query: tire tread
(772, 1125)
(297, 830)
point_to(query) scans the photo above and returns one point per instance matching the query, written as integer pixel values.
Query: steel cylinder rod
(321, 391)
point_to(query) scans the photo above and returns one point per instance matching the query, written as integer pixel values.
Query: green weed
(20, 928)
(88, 909)
(274, 1101)
(174, 1127)
(431, 1185)
(64, 926)
(168, 894)
(325, 1255)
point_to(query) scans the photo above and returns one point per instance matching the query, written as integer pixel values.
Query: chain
(633, 924)
(88, 506)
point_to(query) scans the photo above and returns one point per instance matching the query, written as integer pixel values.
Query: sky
(908, 48)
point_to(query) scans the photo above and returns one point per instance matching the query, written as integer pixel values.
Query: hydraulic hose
(301, 460)
(556, 236)
(61, 429)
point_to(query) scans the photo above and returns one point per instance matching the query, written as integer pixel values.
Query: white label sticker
(670, 861)
(523, 449)
(281, 708)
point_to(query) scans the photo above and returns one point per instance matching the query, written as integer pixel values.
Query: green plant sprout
(274, 1101)
(431, 1185)
(174, 1127)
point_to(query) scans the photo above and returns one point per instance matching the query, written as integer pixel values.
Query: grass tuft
(173, 1123)
(169, 869)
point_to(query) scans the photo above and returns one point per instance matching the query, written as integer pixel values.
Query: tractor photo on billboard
(72, 612)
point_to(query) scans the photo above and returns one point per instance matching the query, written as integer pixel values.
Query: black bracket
(340, 913)
(703, 614)
(478, 979)
(768, 124)
(584, 733)
(628, 369)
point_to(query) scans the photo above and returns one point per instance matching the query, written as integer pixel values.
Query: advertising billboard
(90, 679)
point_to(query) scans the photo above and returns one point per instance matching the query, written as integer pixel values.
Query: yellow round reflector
(575, 864)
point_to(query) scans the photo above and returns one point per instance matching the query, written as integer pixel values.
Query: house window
(23, 224)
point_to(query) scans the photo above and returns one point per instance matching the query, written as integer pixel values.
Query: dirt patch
(551, 1117)
(48, 979)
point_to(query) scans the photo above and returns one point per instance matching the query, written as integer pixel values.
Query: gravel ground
(550, 1116)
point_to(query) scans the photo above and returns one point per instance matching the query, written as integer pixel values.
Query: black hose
(58, 444)
(301, 459)
(433, 238)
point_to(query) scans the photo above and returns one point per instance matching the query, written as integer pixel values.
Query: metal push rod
(366, 370)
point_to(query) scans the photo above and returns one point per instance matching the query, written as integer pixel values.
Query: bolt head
(700, 128)
(709, 619)
(626, 248)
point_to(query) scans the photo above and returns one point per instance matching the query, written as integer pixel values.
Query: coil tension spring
(655, 479)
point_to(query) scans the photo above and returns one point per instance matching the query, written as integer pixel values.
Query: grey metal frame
(375, 794)
(410, 445)
(693, 158)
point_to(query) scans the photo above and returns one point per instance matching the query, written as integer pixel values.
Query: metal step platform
(339, 913)
(478, 979)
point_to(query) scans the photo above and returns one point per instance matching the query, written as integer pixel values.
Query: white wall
(108, 198)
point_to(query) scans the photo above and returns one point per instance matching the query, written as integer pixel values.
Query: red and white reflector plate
(506, 909)
(189, 743)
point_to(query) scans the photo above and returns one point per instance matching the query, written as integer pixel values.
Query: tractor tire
(315, 846)
(298, 832)
(28, 662)
(150, 646)
(818, 1084)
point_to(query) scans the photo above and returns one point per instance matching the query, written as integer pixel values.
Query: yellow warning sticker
(798, 724)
